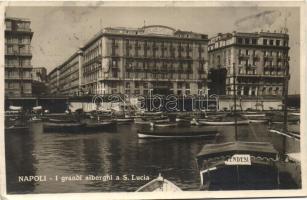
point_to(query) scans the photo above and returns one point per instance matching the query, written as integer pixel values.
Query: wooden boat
(258, 121)
(63, 127)
(17, 129)
(225, 120)
(99, 126)
(163, 124)
(52, 120)
(148, 121)
(224, 123)
(238, 166)
(288, 134)
(124, 120)
(35, 119)
(159, 185)
(80, 127)
(178, 132)
(254, 115)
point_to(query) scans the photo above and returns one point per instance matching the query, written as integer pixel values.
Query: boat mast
(235, 101)
(285, 105)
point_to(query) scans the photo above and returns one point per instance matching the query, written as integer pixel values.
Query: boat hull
(178, 134)
(80, 128)
(226, 123)
(159, 185)
(240, 177)
(17, 130)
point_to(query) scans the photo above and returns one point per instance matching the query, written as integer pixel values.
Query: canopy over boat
(16, 108)
(257, 149)
(37, 108)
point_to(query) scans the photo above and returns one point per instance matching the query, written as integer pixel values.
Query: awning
(257, 149)
(38, 108)
(15, 108)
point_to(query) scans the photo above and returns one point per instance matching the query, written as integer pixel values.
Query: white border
(178, 195)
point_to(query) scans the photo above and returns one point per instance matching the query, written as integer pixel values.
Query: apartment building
(18, 68)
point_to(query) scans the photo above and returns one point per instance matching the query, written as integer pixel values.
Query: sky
(59, 31)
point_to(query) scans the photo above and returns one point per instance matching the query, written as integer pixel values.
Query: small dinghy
(124, 120)
(63, 127)
(178, 132)
(159, 185)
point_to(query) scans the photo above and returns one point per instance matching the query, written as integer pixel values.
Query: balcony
(28, 53)
(244, 56)
(17, 66)
(18, 78)
(268, 57)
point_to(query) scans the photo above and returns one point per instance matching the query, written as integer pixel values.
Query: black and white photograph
(130, 98)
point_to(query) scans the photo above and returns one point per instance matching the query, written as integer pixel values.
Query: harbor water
(73, 162)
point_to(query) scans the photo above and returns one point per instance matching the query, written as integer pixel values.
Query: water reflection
(116, 154)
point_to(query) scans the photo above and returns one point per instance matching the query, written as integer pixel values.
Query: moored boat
(228, 119)
(127, 120)
(63, 127)
(17, 129)
(238, 166)
(178, 132)
(83, 127)
(159, 185)
(52, 120)
(105, 125)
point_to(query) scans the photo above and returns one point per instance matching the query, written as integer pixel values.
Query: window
(246, 40)
(271, 42)
(136, 85)
(265, 42)
(254, 41)
(240, 40)
(277, 42)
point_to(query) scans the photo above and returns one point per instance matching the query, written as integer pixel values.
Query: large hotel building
(136, 61)
(168, 61)
(260, 61)
(18, 68)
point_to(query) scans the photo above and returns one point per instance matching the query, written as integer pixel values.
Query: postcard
(152, 100)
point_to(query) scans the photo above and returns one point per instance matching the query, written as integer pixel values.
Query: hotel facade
(136, 61)
(18, 68)
(260, 61)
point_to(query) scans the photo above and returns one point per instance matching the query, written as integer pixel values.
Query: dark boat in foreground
(159, 185)
(238, 166)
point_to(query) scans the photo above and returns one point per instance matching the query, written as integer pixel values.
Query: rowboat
(104, 125)
(63, 127)
(238, 166)
(145, 121)
(222, 123)
(17, 129)
(124, 120)
(52, 120)
(80, 127)
(163, 124)
(178, 132)
(159, 185)
(258, 121)
(288, 134)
